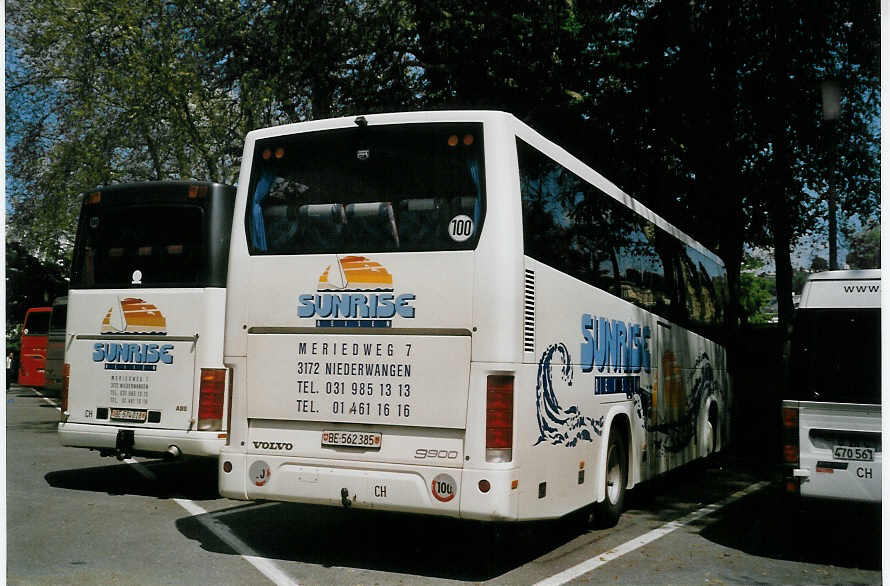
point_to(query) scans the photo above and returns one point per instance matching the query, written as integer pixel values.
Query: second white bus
(446, 313)
(143, 355)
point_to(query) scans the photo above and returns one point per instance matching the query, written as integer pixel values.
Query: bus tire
(607, 512)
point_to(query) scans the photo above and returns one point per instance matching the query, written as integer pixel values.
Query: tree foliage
(865, 249)
(708, 112)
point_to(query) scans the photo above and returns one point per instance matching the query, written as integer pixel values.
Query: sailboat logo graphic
(355, 292)
(355, 273)
(133, 316)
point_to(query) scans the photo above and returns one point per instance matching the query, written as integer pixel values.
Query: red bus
(32, 362)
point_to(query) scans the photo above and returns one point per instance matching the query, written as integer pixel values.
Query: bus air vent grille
(528, 336)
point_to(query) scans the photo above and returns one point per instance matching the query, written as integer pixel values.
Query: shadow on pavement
(766, 525)
(193, 479)
(382, 541)
(440, 547)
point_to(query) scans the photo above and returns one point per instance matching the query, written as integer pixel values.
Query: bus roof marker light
(267, 153)
(279, 152)
(197, 191)
(94, 198)
(452, 140)
(468, 139)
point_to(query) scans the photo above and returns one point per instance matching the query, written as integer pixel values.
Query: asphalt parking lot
(76, 518)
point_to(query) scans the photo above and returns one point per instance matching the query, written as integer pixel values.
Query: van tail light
(66, 379)
(499, 419)
(212, 399)
(790, 446)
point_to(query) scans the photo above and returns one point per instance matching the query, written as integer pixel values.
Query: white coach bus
(832, 414)
(446, 313)
(143, 357)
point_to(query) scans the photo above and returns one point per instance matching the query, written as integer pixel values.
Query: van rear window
(836, 356)
(37, 323)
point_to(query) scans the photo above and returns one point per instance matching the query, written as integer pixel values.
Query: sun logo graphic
(134, 316)
(355, 292)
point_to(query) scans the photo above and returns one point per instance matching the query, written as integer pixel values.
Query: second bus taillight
(790, 445)
(212, 399)
(499, 419)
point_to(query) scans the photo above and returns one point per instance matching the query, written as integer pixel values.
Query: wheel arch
(617, 421)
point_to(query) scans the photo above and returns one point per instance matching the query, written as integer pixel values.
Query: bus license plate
(138, 415)
(848, 453)
(352, 439)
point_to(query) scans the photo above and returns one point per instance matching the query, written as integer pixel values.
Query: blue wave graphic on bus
(560, 426)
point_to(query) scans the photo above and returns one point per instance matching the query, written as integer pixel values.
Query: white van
(832, 418)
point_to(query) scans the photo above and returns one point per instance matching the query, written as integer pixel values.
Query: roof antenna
(360, 121)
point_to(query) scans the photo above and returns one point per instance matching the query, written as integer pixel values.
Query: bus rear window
(836, 356)
(139, 246)
(398, 188)
(37, 323)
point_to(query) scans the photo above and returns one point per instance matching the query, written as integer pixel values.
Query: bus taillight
(212, 398)
(499, 419)
(790, 445)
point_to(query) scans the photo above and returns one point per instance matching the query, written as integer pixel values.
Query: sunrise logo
(132, 316)
(355, 292)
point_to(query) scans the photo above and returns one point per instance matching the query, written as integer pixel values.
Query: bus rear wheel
(607, 512)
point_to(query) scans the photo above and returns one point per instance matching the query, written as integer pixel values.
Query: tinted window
(411, 187)
(836, 356)
(37, 323)
(572, 226)
(164, 243)
(59, 315)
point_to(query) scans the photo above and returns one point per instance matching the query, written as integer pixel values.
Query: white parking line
(617, 552)
(47, 399)
(224, 534)
(218, 528)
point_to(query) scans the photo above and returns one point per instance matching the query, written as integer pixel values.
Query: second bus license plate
(352, 439)
(848, 453)
(138, 415)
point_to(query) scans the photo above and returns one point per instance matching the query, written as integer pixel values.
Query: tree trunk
(781, 166)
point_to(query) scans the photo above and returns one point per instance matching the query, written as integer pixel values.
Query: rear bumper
(148, 441)
(450, 492)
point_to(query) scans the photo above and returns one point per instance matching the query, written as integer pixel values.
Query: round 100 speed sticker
(461, 228)
(444, 488)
